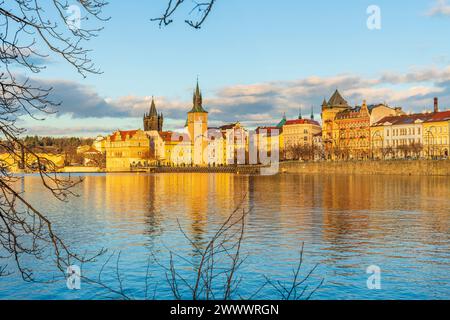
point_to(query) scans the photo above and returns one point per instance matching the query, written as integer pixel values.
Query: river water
(347, 223)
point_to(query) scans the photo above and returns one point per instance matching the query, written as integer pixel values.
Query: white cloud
(257, 104)
(440, 8)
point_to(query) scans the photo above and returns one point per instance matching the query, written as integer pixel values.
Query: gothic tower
(197, 123)
(152, 120)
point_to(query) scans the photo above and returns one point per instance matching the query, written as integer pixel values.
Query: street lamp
(376, 133)
(429, 132)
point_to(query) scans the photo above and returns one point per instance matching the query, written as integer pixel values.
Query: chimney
(436, 105)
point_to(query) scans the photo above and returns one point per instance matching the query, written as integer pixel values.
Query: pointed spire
(312, 112)
(197, 101)
(153, 108)
(300, 113)
(197, 90)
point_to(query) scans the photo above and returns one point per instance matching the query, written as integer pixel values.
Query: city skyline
(302, 71)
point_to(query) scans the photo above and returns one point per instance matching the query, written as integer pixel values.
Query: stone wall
(81, 169)
(394, 167)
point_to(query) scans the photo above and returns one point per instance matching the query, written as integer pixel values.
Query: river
(347, 224)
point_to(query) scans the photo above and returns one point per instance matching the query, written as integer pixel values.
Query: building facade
(346, 130)
(330, 131)
(127, 149)
(197, 128)
(298, 138)
(436, 135)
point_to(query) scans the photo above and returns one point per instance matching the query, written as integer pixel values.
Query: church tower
(197, 123)
(152, 120)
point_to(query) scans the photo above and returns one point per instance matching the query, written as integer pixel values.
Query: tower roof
(336, 100)
(197, 101)
(153, 111)
(282, 122)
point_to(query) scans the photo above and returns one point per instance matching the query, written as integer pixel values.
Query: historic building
(436, 135)
(330, 110)
(268, 140)
(236, 143)
(127, 149)
(414, 135)
(217, 151)
(352, 133)
(197, 128)
(399, 136)
(298, 137)
(152, 120)
(346, 130)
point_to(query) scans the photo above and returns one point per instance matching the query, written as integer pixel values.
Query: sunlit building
(436, 133)
(266, 141)
(298, 135)
(126, 149)
(400, 136)
(330, 131)
(346, 130)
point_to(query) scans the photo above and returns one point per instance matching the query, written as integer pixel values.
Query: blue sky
(255, 59)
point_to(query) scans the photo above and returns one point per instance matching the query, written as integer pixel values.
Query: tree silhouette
(32, 32)
(201, 9)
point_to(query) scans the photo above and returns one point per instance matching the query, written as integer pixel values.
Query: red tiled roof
(169, 136)
(301, 121)
(166, 135)
(440, 116)
(404, 119)
(123, 135)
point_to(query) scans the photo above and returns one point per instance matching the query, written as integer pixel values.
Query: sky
(255, 60)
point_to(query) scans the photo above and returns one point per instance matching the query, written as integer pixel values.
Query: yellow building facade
(127, 149)
(436, 135)
(299, 134)
(330, 130)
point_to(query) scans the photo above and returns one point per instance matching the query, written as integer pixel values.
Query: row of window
(404, 132)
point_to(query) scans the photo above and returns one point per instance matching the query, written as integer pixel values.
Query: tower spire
(300, 113)
(197, 100)
(153, 121)
(153, 111)
(312, 112)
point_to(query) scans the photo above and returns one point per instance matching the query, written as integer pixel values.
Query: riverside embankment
(388, 167)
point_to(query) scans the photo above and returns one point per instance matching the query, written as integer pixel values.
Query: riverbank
(387, 167)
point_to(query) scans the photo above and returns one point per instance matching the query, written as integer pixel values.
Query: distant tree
(416, 149)
(300, 151)
(404, 150)
(96, 159)
(30, 32)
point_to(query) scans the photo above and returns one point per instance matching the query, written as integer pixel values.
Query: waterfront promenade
(367, 167)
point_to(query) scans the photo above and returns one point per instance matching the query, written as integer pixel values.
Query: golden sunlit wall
(126, 150)
(436, 138)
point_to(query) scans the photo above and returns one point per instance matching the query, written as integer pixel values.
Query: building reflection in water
(344, 205)
(346, 221)
(334, 207)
